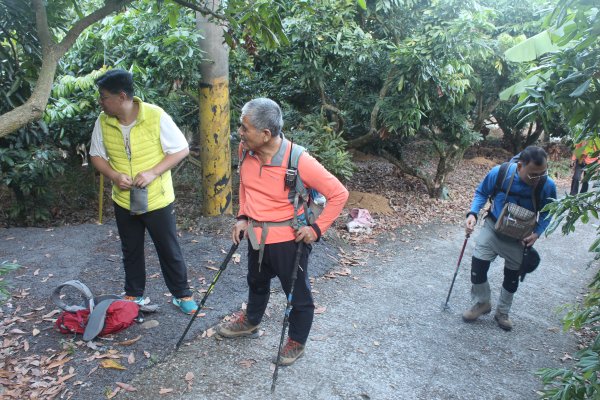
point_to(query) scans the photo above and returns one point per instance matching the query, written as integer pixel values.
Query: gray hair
(264, 113)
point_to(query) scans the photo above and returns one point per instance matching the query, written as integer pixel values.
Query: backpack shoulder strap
(297, 151)
(242, 158)
(86, 296)
(500, 179)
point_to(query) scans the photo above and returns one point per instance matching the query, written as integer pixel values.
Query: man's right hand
(123, 181)
(238, 228)
(470, 224)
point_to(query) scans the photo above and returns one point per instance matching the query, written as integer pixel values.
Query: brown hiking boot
(503, 321)
(476, 311)
(291, 351)
(237, 326)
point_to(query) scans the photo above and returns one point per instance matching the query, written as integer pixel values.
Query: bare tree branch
(109, 7)
(34, 107)
(366, 138)
(202, 10)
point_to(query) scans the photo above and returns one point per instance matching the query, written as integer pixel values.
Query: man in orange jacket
(266, 203)
(579, 160)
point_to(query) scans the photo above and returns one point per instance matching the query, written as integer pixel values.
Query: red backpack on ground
(120, 315)
(95, 316)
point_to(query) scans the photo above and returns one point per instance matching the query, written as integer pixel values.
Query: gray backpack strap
(86, 295)
(96, 320)
(301, 195)
(103, 297)
(242, 158)
(297, 151)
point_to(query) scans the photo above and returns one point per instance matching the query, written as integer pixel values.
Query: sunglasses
(535, 177)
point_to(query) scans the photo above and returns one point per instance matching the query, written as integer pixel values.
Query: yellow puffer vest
(146, 152)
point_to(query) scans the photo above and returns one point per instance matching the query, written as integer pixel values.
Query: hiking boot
(237, 326)
(476, 311)
(503, 321)
(291, 352)
(186, 304)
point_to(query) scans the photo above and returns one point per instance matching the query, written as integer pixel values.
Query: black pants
(577, 177)
(161, 226)
(278, 261)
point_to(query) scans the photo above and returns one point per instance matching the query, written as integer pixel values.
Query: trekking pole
(210, 288)
(288, 309)
(445, 305)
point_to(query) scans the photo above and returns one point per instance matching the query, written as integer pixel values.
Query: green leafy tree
(58, 24)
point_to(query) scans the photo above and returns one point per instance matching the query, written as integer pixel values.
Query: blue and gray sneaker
(186, 304)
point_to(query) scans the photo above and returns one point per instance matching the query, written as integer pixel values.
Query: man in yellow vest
(135, 145)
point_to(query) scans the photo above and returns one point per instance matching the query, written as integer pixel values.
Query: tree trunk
(365, 139)
(410, 170)
(215, 149)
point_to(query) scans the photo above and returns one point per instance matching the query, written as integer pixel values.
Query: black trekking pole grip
(462, 252)
(288, 310)
(222, 268)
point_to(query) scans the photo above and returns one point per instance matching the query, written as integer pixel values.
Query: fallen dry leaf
(212, 268)
(146, 354)
(320, 309)
(189, 376)
(343, 272)
(112, 364)
(208, 333)
(236, 258)
(247, 363)
(58, 363)
(36, 272)
(126, 387)
(64, 378)
(130, 341)
(566, 357)
(51, 314)
(35, 332)
(165, 390)
(131, 358)
(113, 393)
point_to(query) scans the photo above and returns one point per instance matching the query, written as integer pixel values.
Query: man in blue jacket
(530, 171)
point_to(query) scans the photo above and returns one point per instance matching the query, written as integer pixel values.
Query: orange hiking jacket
(584, 157)
(264, 198)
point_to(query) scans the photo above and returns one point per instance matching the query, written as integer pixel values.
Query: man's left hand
(530, 240)
(144, 178)
(306, 235)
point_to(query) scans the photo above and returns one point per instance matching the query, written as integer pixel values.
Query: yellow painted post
(215, 150)
(100, 199)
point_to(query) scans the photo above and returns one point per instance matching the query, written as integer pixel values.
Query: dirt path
(379, 333)
(382, 335)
